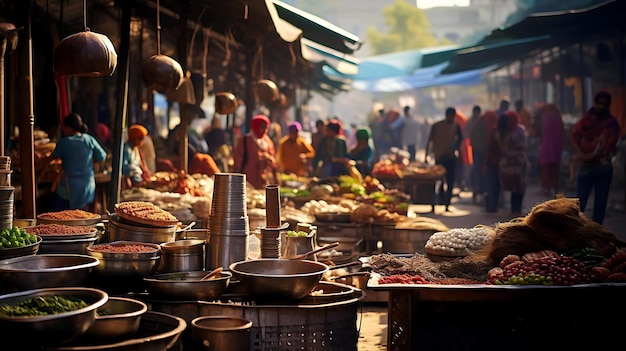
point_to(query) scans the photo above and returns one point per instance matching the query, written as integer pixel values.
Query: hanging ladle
(319, 249)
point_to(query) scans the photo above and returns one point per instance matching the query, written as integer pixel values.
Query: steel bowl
(45, 271)
(53, 329)
(119, 317)
(11, 252)
(126, 265)
(157, 331)
(187, 285)
(277, 278)
(67, 246)
(119, 230)
(86, 233)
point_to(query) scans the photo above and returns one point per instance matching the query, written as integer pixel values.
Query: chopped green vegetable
(42, 306)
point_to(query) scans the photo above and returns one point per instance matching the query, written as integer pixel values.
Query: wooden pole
(26, 110)
(121, 108)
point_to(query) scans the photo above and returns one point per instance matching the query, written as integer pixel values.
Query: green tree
(408, 29)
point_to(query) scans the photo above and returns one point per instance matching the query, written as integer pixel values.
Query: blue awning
(423, 78)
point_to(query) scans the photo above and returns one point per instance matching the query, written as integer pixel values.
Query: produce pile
(555, 244)
(368, 190)
(16, 237)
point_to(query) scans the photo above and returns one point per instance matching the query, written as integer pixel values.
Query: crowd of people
(487, 154)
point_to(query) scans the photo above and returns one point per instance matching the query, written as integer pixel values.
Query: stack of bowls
(228, 222)
(6, 206)
(5, 171)
(64, 239)
(127, 260)
(121, 229)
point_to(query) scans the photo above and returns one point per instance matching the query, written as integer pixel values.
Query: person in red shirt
(594, 139)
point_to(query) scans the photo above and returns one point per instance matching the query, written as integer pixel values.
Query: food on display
(422, 223)
(554, 245)
(130, 248)
(145, 212)
(68, 215)
(321, 206)
(42, 306)
(459, 241)
(58, 229)
(16, 237)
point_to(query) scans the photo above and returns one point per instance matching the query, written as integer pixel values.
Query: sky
(434, 3)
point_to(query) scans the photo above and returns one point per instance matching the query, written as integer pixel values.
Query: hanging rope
(85, 16)
(158, 27)
(206, 34)
(193, 38)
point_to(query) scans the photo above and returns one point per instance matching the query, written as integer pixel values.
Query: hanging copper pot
(266, 91)
(225, 103)
(161, 73)
(85, 54)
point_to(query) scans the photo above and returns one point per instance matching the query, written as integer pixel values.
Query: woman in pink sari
(551, 132)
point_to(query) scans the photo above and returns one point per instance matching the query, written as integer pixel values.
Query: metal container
(216, 333)
(157, 331)
(45, 271)
(278, 279)
(222, 250)
(182, 256)
(33, 332)
(119, 317)
(128, 232)
(187, 285)
(69, 246)
(126, 265)
(11, 252)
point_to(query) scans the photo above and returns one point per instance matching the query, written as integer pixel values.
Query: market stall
(546, 279)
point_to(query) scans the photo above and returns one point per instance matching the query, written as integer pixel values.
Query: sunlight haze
(424, 4)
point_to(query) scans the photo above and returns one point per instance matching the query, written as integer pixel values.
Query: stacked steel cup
(228, 223)
(7, 193)
(270, 234)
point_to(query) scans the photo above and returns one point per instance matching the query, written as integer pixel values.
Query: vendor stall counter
(421, 189)
(502, 317)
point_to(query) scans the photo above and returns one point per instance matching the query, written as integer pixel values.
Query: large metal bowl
(278, 279)
(45, 271)
(126, 265)
(32, 332)
(157, 331)
(118, 318)
(187, 285)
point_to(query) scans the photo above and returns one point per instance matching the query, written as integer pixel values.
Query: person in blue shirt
(75, 187)
(362, 153)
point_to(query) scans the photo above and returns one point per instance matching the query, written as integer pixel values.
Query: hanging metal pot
(266, 91)
(85, 54)
(225, 103)
(161, 73)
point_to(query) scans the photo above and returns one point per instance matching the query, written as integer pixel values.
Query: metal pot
(182, 256)
(128, 232)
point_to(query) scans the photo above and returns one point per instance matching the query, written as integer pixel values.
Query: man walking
(444, 141)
